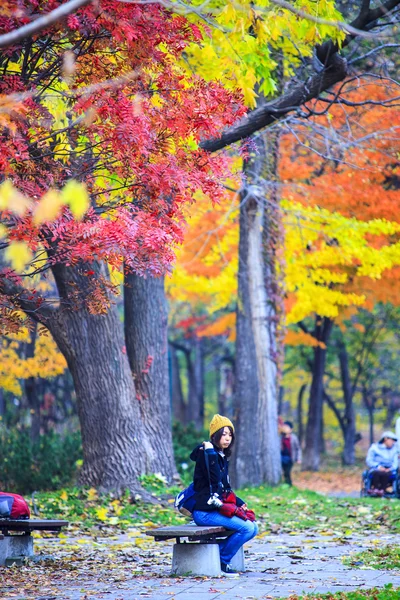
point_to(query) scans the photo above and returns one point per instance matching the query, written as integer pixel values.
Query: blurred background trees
(284, 294)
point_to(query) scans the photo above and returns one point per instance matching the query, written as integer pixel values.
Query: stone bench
(198, 554)
(16, 541)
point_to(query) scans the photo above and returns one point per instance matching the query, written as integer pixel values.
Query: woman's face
(389, 443)
(226, 439)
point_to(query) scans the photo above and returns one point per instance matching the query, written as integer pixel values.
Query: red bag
(13, 506)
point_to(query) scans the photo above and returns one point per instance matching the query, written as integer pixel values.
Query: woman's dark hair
(216, 438)
(289, 424)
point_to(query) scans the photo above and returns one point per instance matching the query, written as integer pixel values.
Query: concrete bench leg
(237, 562)
(15, 546)
(196, 559)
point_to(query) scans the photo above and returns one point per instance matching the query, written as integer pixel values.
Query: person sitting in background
(290, 450)
(382, 460)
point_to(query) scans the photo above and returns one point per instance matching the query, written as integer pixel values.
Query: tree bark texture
(115, 448)
(257, 458)
(146, 322)
(311, 457)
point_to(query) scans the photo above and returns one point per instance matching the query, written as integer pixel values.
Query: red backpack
(13, 506)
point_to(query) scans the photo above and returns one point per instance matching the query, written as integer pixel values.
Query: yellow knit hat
(217, 422)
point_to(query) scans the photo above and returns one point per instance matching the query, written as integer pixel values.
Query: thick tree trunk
(178, 404)
(258, 451)
(349, 455)
(116, 451)
(146, 322)
(247, 469)
(195, 370)
(311, 457)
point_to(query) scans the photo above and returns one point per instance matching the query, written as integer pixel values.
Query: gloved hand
(239, 512)
(250, 515)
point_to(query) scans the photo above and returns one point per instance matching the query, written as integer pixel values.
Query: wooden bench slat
(190, 531)
(31, 524)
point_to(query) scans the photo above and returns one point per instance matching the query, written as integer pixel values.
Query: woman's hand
(244, 506)
(207, 445)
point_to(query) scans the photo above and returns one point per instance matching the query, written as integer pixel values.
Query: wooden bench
(198, 554)
(16, 542)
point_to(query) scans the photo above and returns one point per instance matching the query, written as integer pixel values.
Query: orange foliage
(298, 338)
(221, 326)
(361, 176)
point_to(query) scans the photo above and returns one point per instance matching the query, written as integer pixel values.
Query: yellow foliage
(239, 51)
(326, 251)
(46, 362)
(11, 199)
(75, 195)
(101, 513)
(49, 207)
(19, 255)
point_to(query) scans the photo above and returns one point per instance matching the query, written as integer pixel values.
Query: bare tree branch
(13, 37)
(34, 305)
(333, 70)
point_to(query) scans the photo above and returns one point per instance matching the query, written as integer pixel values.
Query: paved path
(278, 565)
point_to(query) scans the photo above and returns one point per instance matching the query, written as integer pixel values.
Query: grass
(386, 593)
(280, 509)
(387, 557)
(293, 510)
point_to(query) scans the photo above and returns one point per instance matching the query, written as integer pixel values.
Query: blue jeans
(244, 531)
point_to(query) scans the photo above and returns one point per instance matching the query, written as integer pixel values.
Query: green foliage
(47, 464)
(388, 592)
(281, 509)
(89, 511)
(291, 510)
(387, 557)
(185, 438)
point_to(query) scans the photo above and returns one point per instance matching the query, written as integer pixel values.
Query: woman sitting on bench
(216, 504)
(382, 459)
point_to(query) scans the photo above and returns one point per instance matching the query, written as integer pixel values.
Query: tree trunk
(370, 406)
(257, 457)
(391, 410)
(349, 455)
(116, 451)
(225, 389)
(195, 370)
(2, 405)
(178, 404)
(322, 445)
(146, 322)
(311, 458)
(300, 397)
(246, 469)
(31, 390)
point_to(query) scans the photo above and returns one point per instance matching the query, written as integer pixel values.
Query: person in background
(382, 460)
(290, 450)
(397, 432)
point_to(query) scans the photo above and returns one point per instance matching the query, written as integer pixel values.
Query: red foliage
(130, 114)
